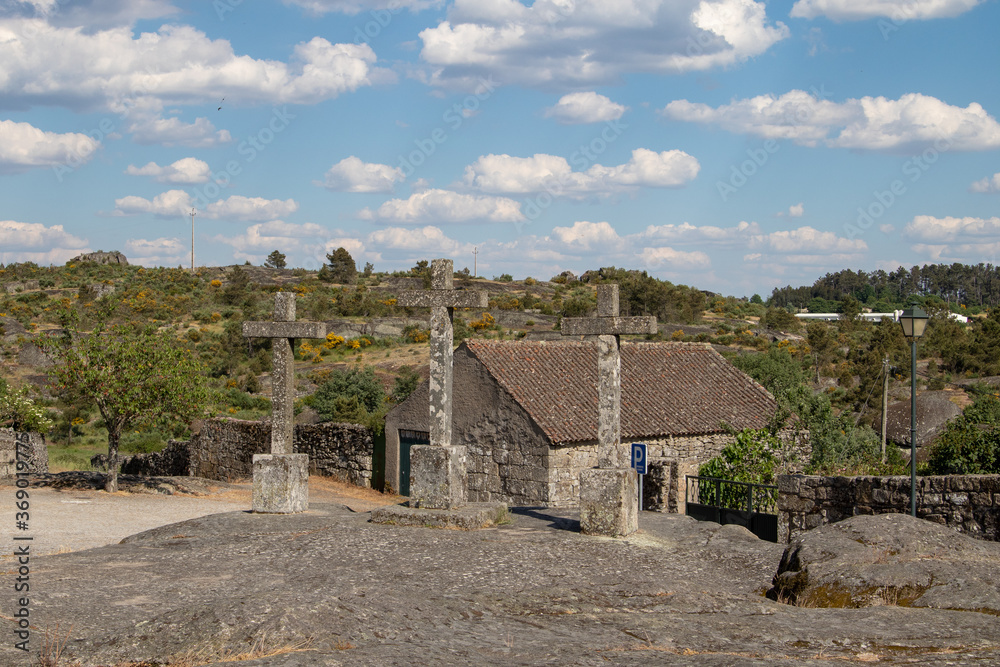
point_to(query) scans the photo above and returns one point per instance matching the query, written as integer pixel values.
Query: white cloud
(686, 233)
(23, 147)
(869, 123)
(588, 42)
(175, 132)
(887, 228)
(444, 206)
(948, 229)
(807, 240)
(897, 10)
(503, 174)
(156, 252)
(589, 107)
(49, 65)
(415, 242)
(90, 14)
(178, 203)
(377, 7)
(186, 171)
(989, 184)
(34, 242)
(794, 211)
(588, 236)
(353, 175)
(666, 257)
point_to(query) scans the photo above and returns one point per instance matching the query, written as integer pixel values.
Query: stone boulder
(934, 409)
(889, 559)
(101, 257)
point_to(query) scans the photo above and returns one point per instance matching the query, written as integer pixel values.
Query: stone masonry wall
(37, 452)
(224, 449)
(174, 460)
(968, 503)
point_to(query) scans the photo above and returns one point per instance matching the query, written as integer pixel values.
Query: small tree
(134, 378)
(342, 267)
(276, 260)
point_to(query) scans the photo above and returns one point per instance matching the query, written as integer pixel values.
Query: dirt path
(70, 516)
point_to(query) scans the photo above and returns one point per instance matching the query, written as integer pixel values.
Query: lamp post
(914, 321)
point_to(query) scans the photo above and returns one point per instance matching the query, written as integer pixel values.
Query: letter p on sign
(639, 457)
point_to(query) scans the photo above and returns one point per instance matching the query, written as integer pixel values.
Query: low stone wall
(34, 452)
(968, 503)
(174, 460)
(224, 449)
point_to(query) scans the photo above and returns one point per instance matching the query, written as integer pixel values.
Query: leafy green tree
(276, 260)
(133, 377)
(342, 268)
(780, 319)
(822, 344)
(970, 444)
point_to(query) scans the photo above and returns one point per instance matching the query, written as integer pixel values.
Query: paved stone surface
(342, 591)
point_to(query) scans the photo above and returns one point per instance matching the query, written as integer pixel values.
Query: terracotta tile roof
(667, 388)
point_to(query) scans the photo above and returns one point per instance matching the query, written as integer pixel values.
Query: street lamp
(914, 321)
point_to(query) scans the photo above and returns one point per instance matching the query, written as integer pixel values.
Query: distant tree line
(973, 285)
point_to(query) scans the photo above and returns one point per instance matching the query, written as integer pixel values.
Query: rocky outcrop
(934, 409)
(889, 560)
(101, 257)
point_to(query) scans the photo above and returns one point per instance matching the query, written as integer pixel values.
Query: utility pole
(194, 212)
(885, 402)
(475, 262)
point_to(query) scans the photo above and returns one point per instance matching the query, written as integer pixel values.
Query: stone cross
(438, 470)
(281, 478)
(609, 493)
(608, 326)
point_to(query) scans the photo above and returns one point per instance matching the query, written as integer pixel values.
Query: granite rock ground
(328, 587)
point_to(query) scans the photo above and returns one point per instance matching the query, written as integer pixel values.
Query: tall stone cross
(280, 479)
(437, 471)
(609, 493)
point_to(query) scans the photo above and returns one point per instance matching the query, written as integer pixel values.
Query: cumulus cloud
(178, 203)
(589, 107)
(989, 184)
(156, 252)
(807, 240)
(154, 130)
(351, 7)
(353, 175)
(897, 10)
(34, 242)
(24, 147)
(869, 123)
(667, 257)
(186, 171)
(949, 229)
(445, 206)
(503, 174)
(89, 14)
(686, 233)
(589, 42)
(52, 65)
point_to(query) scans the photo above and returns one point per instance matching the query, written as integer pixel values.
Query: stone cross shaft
(283, 331)
(442, 299)
(608, 326)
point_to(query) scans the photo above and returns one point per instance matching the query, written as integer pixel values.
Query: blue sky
(727, 144)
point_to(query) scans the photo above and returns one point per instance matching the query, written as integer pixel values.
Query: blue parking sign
(639, 457)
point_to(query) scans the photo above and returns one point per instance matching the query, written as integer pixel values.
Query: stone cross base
(437, 476)
(280, 483)
(609, 500)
